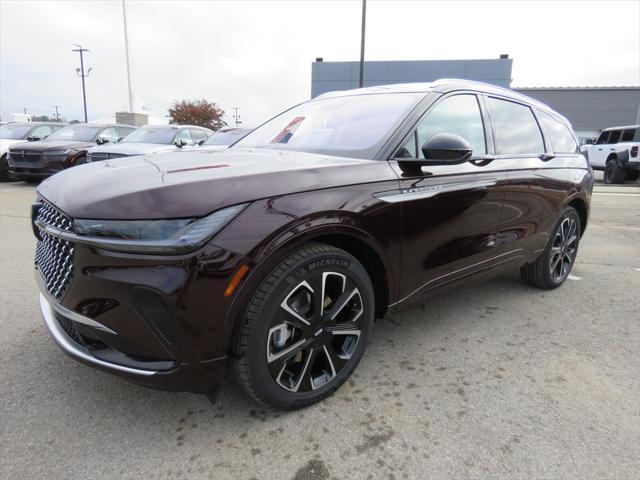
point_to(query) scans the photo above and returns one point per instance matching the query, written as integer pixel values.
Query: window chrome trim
(71, 348)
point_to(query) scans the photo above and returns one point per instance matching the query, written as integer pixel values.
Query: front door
(449, 213)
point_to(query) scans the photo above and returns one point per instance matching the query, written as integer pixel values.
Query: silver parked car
(152, 139)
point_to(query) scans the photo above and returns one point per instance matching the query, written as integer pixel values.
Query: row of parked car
(31, 151)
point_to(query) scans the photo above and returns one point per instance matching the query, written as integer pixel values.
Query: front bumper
(107, 319)
(21, 170)
(200, 377)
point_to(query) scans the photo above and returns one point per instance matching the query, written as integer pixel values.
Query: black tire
(633, 175)
(546, 272)
(613, 173)
(313, 359)
(4, 170)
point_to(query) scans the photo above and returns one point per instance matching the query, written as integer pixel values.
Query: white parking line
(617, 194)
(574, 277)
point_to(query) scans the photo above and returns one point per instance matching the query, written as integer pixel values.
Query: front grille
(26, 158)
(100, 156)
(54, 256)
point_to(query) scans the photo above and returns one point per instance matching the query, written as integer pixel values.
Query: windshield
(227, 137)
(81, 133)
(349, 126)
(164, 136)
(14, 131)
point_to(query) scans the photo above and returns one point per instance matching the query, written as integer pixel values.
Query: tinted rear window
(614, 136)
(561, 139)
(517, 130)
(628, 134)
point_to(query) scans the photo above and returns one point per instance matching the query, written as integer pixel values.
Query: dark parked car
(20, 132)
(274, 257)
(62, 149)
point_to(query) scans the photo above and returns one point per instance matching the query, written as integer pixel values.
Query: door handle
(482, 160)
(546, 157)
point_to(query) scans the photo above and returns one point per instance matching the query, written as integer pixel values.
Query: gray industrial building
(589, 109)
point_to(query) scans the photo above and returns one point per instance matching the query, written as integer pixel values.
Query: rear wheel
(633, 175)
(305, 329)
(552, 268)
(614, 173)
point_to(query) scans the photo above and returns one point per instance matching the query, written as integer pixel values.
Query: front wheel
(552, 268)
(4, 169)
(305, 329)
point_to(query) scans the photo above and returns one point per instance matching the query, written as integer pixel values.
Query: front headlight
(154, 236)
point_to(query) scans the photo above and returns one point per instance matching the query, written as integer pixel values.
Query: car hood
(195, 183)
(55, 145)
(5, 143)
(134, 148)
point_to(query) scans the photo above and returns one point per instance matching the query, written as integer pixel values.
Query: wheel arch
(350, 239)
(580, 206)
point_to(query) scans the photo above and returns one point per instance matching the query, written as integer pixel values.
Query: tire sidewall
(256, 350)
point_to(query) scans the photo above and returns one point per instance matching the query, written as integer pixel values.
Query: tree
(197, 112)
(42, 118)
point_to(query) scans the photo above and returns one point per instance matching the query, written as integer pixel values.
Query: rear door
(449, 213)
(539, 178)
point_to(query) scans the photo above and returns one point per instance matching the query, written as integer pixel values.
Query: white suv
(616, 152)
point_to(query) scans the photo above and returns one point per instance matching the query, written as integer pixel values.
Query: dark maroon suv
(273, 258)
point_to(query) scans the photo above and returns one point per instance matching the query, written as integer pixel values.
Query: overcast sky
(258, 55)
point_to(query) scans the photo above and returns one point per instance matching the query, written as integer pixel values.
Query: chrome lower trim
(72, 348)
(70, 314)
(423, 286)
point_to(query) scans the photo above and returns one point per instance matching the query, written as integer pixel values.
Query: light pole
(364, 21)
(57, 113)
(126, 52)
(82, 75)
(236, 116)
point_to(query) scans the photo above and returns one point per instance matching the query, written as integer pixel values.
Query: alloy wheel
(314, 332)
(563, 249)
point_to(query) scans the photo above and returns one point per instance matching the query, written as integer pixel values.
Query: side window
(627, 135)
(110, 134)
(603, 138)
(615, 137)
(459, 114)
(561, 139)
(517, 131)
(41, 132)
(124, 131)
(198, 135)
(185, 135)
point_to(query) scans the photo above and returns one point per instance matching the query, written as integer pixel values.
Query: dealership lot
(496, 379)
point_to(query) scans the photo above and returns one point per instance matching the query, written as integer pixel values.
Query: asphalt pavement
(496, 380)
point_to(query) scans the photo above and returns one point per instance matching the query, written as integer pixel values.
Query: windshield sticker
(287, 132)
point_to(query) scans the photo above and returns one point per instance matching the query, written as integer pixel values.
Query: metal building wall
(331, 76)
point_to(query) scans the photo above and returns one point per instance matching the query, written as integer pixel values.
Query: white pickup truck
(616, 152)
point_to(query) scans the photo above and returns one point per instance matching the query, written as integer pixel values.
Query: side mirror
(31, 138)
(446, 149)
(119, 139)
(101, 141)
(201, 142)
(181, 143)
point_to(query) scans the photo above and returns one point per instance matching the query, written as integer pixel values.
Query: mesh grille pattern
(99, 156)
(54, 256)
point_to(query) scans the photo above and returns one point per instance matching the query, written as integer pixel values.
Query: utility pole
(57, 113)
(364, 21)
(24, 109)
(126, 52)
(236, 116)
(82, 75)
